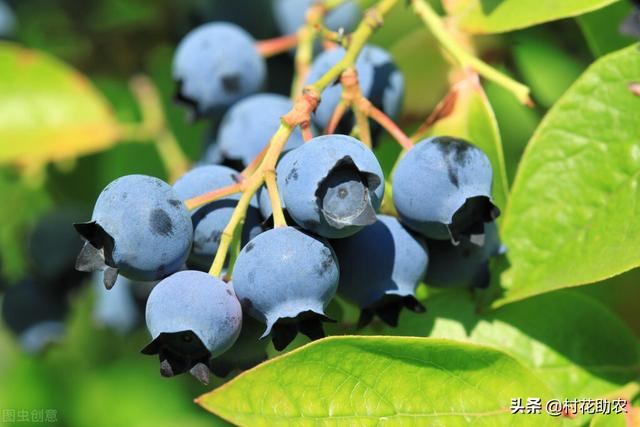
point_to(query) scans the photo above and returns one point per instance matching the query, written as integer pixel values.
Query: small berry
(286, 278)
(442, 189)
(380, 269)
(249, 125)
(333, 185)
(7, 20)
(210, 220)
(139, 229)
(290, 15)
(215, 65)
(191, 316)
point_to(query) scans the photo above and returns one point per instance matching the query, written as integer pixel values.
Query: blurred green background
(95, 377)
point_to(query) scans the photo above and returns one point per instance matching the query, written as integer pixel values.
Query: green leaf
(573, 343)
(601, 28)
(573, 216)
(466, 113)
(550, 81)
(48, 111)
(379, 381)
(499, 16)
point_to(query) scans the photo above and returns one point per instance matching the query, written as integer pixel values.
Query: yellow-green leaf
(498, 16)
(574, 212)
(48, 111)
(380, 381)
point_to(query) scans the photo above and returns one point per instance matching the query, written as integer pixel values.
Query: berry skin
(465, 265)
(442, 189)
(35, 314)
(290, 15)
(139, 229)
(380, 80)
(116, 309)
(249, 125)
(380, 269)
(248, 350)
(209, 221)
(286, 278)
(333, 186)
(191, 316)
(215, 65)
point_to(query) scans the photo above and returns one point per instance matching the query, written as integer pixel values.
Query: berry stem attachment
(390, 126)
(276, 46)
(337, 115)
(466, 60)
(274, 198)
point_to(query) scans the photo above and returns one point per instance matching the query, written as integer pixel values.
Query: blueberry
(286, 278)
(380, 80)
(380, 269)
(191, 316)
(116, 309)
(249, 125)
(210, 220)
(290, 15)
(465, 265)
(7, 20)
(333, 185)
(53, 247)
(215, 65)
(35, 314)
(248, 350)
(139, 228)
(442, 189)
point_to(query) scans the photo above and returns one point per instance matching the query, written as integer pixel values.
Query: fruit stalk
(300, 115)
(434, 23)
(275, 46)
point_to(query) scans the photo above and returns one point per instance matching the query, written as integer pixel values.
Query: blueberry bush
(331, 212)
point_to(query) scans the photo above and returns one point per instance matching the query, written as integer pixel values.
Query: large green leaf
(48, 111)
(575, 344)
(573, 216)
(380, 381)
(498, 16)
(466, 113)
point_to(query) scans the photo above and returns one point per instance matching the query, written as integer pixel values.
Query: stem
(363, 125)
(251, 167)
(173, 158)
(212, 196)
(274, 198)
(236, 244)
(434, 23)
(337, 115)
(390, 126)
(307, 133)
(276, 46)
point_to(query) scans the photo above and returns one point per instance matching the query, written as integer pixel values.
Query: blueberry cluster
(279, 279)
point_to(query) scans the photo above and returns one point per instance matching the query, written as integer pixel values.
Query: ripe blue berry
(215, 65)
(191, 316)
(285, 278)
(465, 265)
(380, 269)
(139, 228)
(333, 185)
(248, 350)
(35, 314)
(380, 80)
(442, 189)
(116, 309)
(290, 15)
(249, 125)
(210, 220)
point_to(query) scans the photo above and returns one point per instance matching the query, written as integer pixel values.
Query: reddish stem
(394, 130)
(275, 46)
(337, 115)
(212, 196)
(307, 133)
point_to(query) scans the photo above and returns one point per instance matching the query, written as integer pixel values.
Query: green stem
(466, 60)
